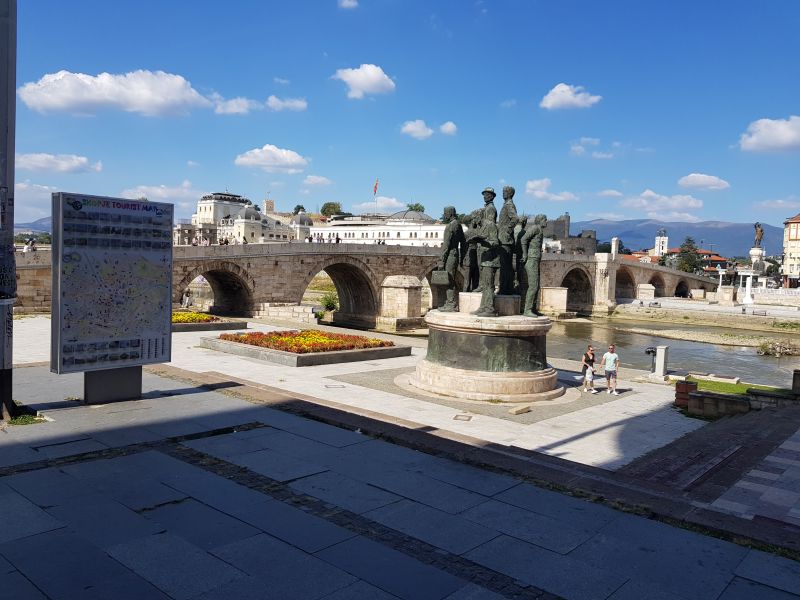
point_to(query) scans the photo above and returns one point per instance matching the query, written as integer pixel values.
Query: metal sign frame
(112, 283)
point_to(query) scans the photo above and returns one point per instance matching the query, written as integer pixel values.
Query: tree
(298, 208)
(688, 257)
(605, 247)
(331, 208)
(416, 206)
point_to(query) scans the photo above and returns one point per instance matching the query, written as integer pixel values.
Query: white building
(224, 216)
(791, 252)
(662, 244)
(404, 228)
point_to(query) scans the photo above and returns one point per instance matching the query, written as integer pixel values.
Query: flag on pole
(375, 188)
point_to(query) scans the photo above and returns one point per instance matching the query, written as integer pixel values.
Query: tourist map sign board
(112, 280)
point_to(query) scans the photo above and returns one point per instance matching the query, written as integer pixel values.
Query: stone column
(660, 374)
(401, 303)
(605, 272)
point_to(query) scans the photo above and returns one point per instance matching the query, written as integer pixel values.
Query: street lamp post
(8, 275)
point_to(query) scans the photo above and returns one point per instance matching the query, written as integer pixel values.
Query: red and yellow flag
(375, 188)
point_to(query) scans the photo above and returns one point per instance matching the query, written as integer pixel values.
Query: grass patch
(787, 325)
(724, 387)
(26, 419)
(322, 283)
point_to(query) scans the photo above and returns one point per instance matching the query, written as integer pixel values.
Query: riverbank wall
(779, 326)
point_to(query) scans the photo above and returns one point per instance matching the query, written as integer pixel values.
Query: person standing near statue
(454, 247)
(505, 231)
(531, 244)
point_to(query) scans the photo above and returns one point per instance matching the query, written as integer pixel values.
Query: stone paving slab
(343, 491)
(200, 524)
(436, 527)
(706, 565)
(547, 570)
(174, 565)
(283, 570)
(390, 570)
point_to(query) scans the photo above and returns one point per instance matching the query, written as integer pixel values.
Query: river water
(569, 339)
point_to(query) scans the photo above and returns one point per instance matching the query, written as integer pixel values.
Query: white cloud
(448, 128)
(149, 93)
(281, 81)
(191, 163)
(767, 135)
(275, 103)
(581, 147)
(610, 194)
(577, 150)
(58, 163)
(381, 203)
(348, 3)
(511, 102)
(540, 188)
(184, 191)
(273, 160)
(417, 129)
(659, 206)
(568, 96)
(701, 181)
(304, 192)
(316, 180)
(366, 79)
(234, 106)
(673, 216)
(32, 201)
(609, 216)
(782, 204)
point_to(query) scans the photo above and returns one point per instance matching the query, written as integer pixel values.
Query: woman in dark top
(588, 370)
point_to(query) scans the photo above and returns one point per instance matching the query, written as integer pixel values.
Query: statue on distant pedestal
(505, 230)
(532, 256)
(453, 249)
(759, 235)
(473, 267)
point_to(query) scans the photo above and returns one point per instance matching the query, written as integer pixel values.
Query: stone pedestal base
(487, 358)
(485, 385)
(469, 302)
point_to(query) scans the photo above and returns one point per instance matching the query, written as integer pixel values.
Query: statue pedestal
(469, 302)
(757, 263)
(487, 358)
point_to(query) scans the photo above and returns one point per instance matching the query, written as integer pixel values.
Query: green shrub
(330, 301)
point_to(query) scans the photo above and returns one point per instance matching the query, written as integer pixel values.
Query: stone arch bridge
(270, 279)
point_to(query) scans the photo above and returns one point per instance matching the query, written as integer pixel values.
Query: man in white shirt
(610, 363)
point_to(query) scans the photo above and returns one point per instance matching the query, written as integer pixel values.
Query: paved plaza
(232, 490)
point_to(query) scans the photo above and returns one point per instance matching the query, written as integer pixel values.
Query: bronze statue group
(510, 244)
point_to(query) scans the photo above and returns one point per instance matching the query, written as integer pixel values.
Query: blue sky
(627, 109)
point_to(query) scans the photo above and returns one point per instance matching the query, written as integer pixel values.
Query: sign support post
(8, 276)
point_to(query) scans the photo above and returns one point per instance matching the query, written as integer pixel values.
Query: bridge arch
(580, 293)
(232, 286)
(355, 285)
(657, 281)
(682, 289)
(625, 286)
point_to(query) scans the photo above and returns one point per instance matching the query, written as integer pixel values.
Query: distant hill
(728, 239)
(44, 225)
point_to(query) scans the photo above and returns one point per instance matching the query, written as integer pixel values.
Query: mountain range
(725, 238)
(43, 225)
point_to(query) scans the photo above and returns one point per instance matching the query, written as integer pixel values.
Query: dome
(251, 213)
(301, 219)
(411, 216)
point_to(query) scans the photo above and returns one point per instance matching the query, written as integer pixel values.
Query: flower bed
(305, 341)
(193, 317)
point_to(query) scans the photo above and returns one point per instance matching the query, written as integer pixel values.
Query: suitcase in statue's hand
(440, 277)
